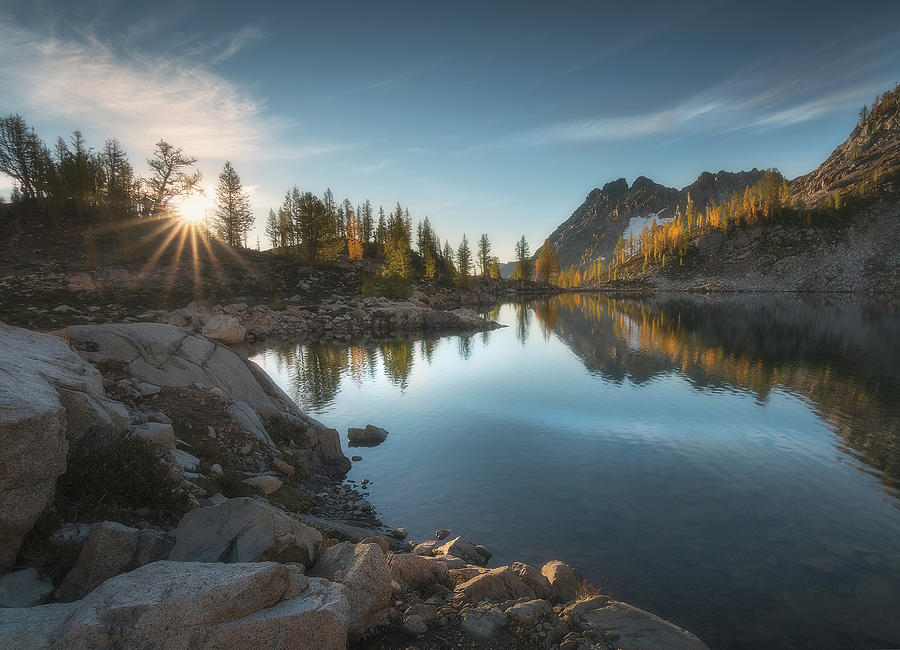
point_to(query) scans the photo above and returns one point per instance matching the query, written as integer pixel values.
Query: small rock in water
(368, 437)
(442, 533)
(483, 552)
(355, 458)
(399, 533)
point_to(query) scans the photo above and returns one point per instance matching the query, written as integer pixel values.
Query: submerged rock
(637, 629)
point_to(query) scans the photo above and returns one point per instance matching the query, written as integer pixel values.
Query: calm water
(732, 464)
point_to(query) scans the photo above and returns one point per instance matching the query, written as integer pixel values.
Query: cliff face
(867, 162)
(594, 228)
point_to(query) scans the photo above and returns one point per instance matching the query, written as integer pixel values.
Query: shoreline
(220, 424)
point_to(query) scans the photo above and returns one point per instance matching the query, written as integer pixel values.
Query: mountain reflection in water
(731, 463)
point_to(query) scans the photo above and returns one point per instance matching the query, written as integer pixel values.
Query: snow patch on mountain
(637, 224)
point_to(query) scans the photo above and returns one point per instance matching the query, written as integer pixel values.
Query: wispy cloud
(374, 167)
(765, 95)
(245, 36)
(140, 98)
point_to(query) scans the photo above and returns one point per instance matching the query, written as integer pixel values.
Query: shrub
(123, 473)
(285, 431)
(289, 498)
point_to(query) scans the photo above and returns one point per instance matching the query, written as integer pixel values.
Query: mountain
(867, 162)
(617, 209)
(838, 229)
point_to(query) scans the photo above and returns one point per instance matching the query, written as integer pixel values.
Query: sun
(192, 208)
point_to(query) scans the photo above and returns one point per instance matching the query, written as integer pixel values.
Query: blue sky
(496, 119)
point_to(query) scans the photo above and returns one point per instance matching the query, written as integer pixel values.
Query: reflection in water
(710, 459)
(523, 321)
(837, 353)
(465, 347)
(398, 361)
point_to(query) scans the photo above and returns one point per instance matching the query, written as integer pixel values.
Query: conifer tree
(546, 264)
(233, 217)
(523, 269)
(484, 253)
(463, 261)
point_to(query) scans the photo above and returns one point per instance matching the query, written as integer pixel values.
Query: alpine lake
(730, 463)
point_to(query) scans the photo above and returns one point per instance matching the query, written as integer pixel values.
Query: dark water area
(731, 463)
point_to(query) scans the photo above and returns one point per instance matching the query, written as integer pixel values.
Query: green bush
(289, 498)
(284, 431)
(122, 473)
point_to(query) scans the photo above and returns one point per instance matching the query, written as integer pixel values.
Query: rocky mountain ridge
(594, 228)
(865, 166)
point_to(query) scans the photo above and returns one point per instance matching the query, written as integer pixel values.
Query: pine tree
(484, 253)
(366, 224)
(232, 213)
(546, 265)
(523, 269)
(463, 261)
(272, 229)
(380, 232)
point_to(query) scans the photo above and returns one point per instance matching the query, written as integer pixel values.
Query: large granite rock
(24, 588)
(414, 572)
(463, 549)
(564, 580)
(190, 605)
(48, 395)
(107, 552)
(244, 530)
(225, 329)
(497, 585)
(635, 629)
(169, 356)
(363, 569)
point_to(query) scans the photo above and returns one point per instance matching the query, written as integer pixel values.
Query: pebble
(356, 458)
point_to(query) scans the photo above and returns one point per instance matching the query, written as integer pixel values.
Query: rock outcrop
(166, 355)
(107, 552)
(191, 605)
(48, 395)
(244, 530)
(363, 569)
(594, 228)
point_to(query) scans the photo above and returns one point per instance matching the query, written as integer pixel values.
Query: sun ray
(183, 228)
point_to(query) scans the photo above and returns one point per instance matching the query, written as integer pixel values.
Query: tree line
(86, 187)
(77, 184)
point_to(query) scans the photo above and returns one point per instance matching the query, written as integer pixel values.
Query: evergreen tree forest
(82, 187)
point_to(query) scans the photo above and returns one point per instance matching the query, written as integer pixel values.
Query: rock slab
(180, 605)
(244, 530)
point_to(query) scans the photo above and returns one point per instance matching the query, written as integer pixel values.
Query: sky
(486, 117)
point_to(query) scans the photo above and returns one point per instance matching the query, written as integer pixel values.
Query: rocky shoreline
(158, 489)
